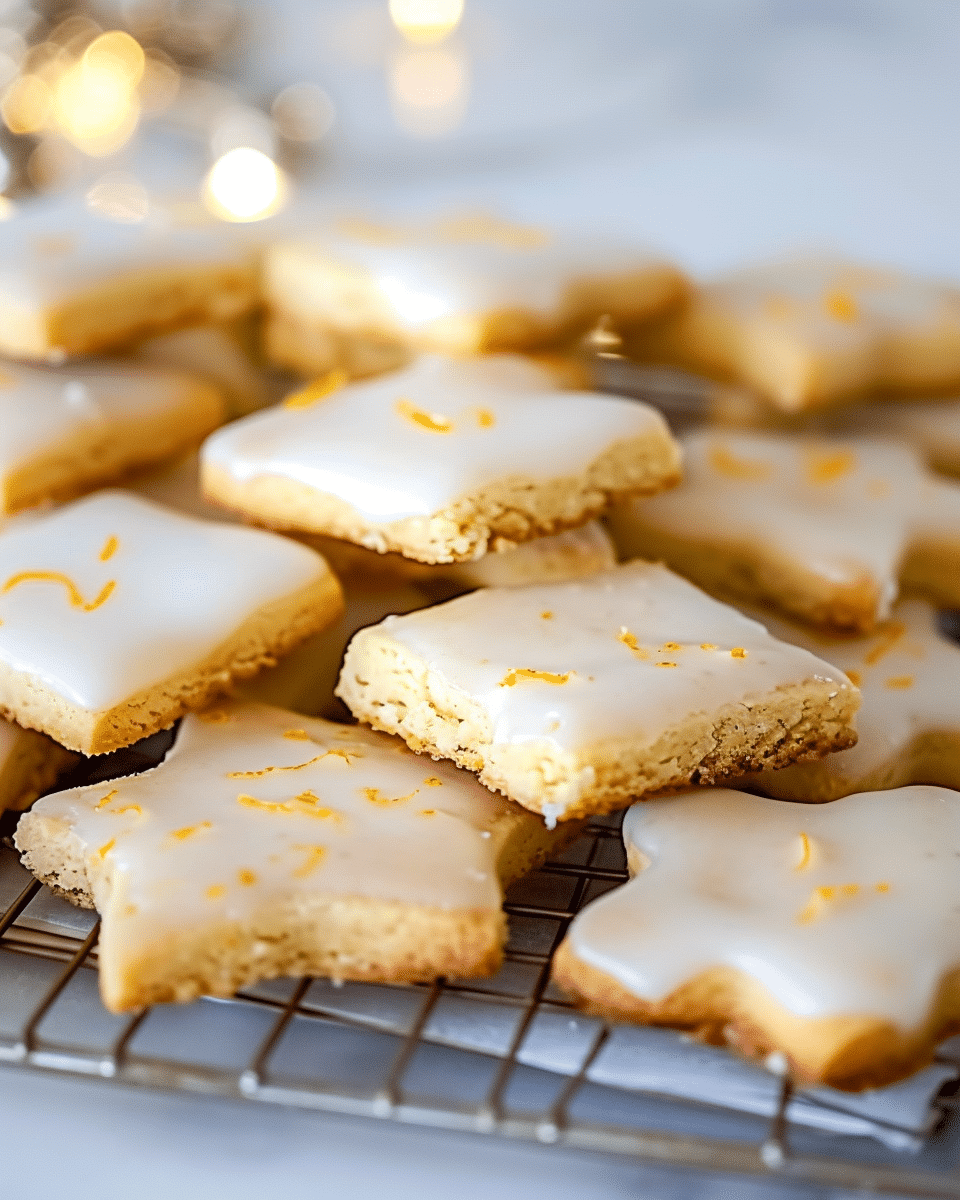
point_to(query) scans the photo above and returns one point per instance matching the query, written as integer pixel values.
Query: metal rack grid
(267, 1037)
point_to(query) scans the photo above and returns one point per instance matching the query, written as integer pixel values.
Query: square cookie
(828, 530)
(814, 331)
(117, 616)
(578, 698)
(440, 461)
(828, 934)
(67, 430)
(73, 281)
(362, 295)
(268, 844)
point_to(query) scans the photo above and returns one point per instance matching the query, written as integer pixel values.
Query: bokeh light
(429, 86)
(244, 185)
(426, 21)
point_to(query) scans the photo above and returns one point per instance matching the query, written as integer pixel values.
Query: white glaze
(359, 446)
(425, 274)
(55, 249)
(610, 692)
(907, 673)
(723, 888)
(182, 587)
(777, 493)
(42, 407)
(415, 842)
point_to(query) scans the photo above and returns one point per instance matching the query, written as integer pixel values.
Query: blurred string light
(244, 184)
(428, 73)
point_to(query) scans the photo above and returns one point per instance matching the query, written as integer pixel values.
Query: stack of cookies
(538, 604)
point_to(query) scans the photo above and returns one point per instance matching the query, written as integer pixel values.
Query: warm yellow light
(426, 20)
(429, 86)
(26, 105)
(244, 185)
(117, 54)
(94, 101)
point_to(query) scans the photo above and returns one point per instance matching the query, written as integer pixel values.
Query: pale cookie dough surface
(66, 430)
(116, 616)
(830, 933)
(30, 763)
(810, 332)
(577, 697)
(269, 844)
(214, 353)
(462, 285)
(908, 724)
(826, 530)
(440, 460)
(73, 281)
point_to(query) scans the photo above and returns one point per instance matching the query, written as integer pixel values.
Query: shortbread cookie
(825, 530)
(30, 764)
(73, 281)
(117, 616)
(359, 294)
(440, 461)
(826, 933)
(908, 725)
(213, 353)
(65, 431)
(814, 331)
(576, 698)
(266, 844)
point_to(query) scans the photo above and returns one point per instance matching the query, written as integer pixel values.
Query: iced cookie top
(54, 249)
(111, 594)
(256, 806)
(413, 442)
(839, 507)
(907, 672)
(41, 407)
(836, 909)
(460, 266)
(628, 653)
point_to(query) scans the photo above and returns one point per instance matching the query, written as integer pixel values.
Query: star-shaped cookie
(811, 332)
(440, 461)
(271, 844)
(828, 933)
(908, 723)
(117, 616)
(828, 530)
(577, 698)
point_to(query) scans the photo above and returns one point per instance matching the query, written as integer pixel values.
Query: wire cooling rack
(388, 1052)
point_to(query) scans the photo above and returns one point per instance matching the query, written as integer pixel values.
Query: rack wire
(387, 1053)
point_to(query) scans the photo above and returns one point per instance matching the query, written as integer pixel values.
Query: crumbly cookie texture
(73, 281)
(30, 764)
(268, 844)
(359, 292)
(908, 725)
(65, 431)
(826, 530)
(117, 616)
(441, 461)
(811, 332)
(827, 933)
(580, 697)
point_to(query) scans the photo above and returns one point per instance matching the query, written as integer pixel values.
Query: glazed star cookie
(908, 725)
(362, 296)
(826, 933)
(73, 281)
(117, 616)
(440, 461)
(826, 530)
(266, 844)
(578, 698)
(65, 431)
(30, 764)
(813, 331)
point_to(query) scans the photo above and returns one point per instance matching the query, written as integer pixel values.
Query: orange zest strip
(110, 547)
(827, 468)
(738, 652)
(485, 418)
(513, 677)
(107, 847)
(890, 634)
(274, 770)
(76, 599)
(747, 470)
(666, 664)
(106, 800)
(246, 878)
(630, 641)
(899, 683)
(805, 852)
(188, 831)
(375, 796)
(215, 892)
(707, 646)
(435, 422)
(433, 781)
(315, 856)
(320, 388)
